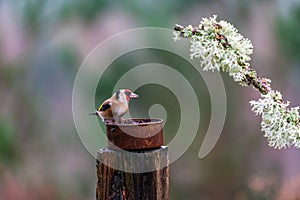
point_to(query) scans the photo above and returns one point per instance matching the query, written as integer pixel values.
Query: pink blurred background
(42, 44)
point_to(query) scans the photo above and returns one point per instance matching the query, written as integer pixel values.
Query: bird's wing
(105, 105)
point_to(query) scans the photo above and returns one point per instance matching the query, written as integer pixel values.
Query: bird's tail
(93, 113)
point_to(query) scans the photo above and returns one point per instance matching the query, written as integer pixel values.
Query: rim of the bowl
(153, 121)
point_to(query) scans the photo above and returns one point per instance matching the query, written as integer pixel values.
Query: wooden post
(138, 174)
(116, 184)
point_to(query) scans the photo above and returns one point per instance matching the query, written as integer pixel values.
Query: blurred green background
(43, 43)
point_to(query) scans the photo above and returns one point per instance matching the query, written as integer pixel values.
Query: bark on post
(116, 184)
(136, 174)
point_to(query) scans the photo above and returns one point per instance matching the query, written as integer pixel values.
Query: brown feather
(116, 106)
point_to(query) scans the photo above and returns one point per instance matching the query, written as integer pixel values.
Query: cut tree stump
(138, 175)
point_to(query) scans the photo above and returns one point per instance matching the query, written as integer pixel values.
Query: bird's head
(124, 95)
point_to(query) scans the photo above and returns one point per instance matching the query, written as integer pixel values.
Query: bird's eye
(127, 93)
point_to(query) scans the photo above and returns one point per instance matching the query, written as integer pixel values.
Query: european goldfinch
(116, 106)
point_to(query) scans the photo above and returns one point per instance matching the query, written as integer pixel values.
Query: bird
(116, 106)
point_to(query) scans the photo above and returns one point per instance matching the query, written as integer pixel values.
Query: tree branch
(259, 83)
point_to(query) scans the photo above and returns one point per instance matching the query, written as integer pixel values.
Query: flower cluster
(217, 52)
(220, 47)
(279, 123)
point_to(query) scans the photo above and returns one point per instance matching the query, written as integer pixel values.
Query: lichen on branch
(219, 47)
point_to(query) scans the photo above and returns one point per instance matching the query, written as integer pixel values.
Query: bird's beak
(94, 114)
(133, 95)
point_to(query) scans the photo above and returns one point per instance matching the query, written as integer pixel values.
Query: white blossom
(176, 35)
(279, 124)
(213, 56)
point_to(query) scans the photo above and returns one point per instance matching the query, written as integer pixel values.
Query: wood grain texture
(118, 180)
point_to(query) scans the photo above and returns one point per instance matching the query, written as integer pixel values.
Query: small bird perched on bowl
(116, 106)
